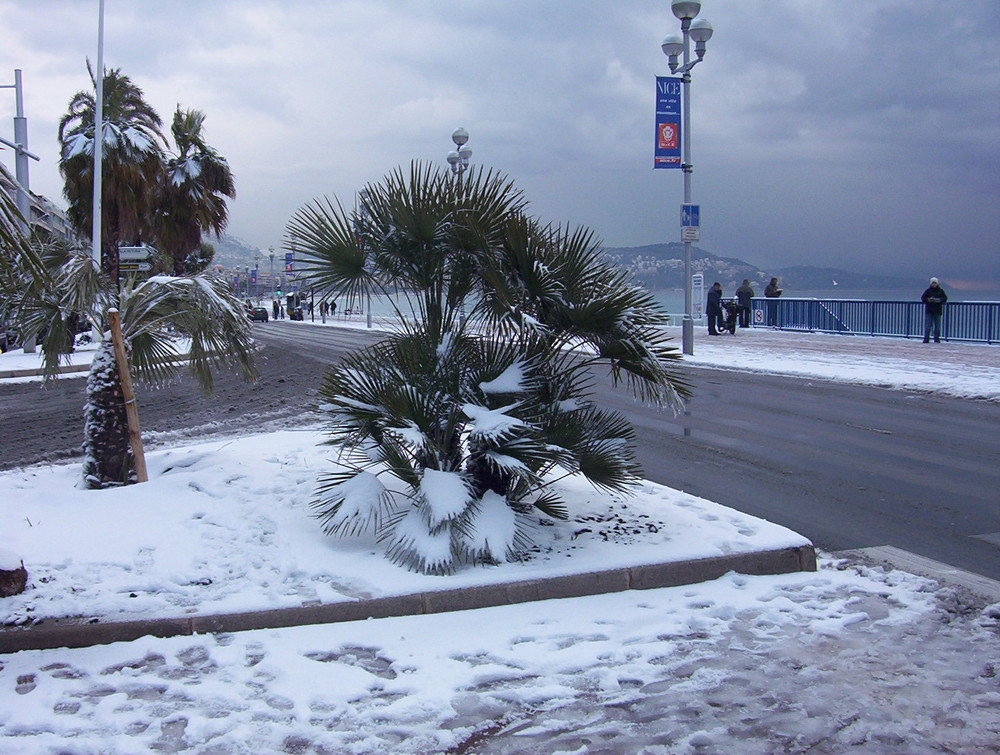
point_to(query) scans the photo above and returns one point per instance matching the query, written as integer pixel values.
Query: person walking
(934, 299)
(714, 309)
(743, 296)
(771, 291)
(274, 308)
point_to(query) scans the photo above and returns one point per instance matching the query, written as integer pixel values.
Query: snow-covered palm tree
(132, 165)
(193, 196)
(452, 429)
(154, 314)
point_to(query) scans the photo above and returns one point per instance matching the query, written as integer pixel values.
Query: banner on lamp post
(668, 122)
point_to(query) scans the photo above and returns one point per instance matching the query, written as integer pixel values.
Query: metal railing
(961, 321)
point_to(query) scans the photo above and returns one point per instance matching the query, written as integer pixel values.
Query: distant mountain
(231, 252)
(661, 266)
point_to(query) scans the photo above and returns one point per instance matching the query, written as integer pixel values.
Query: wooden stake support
(131, 409)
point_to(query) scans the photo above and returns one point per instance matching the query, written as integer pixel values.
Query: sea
(673, 299)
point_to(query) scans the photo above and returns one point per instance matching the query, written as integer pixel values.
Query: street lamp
(458, 158)
(270, 253)
(675, 45)
(21, 153)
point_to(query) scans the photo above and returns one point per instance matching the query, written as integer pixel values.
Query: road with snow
(848, 466)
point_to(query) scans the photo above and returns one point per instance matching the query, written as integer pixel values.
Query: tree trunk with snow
(13, 575)
(108, 459)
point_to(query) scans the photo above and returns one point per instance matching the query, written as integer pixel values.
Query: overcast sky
(841, 133)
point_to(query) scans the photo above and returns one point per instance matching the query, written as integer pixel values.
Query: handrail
(977, 322)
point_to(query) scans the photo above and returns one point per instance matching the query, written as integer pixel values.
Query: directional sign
(134, 252)
(134, 267)
(690, 215)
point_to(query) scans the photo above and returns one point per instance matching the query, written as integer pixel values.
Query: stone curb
(81, 633)
(36, 372)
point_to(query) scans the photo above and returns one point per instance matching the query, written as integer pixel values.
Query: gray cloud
(863, 135)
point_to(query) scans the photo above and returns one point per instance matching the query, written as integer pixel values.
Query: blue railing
(962, 321)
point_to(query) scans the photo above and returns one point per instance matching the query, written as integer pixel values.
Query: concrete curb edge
(77, 633)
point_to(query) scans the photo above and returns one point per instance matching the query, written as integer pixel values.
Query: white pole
(98, 135)
(687, 329)
(21, 159)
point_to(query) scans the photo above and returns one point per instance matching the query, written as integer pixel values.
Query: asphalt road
(847, 466)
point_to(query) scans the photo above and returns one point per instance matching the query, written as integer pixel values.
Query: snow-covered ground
(850, 659)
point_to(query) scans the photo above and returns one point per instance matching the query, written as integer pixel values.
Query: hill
(661, 266)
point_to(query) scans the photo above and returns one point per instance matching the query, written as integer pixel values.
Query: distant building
(45, 216)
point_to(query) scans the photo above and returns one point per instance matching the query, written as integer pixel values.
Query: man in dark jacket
(933, 298)
(771, 291)
(714, 309)
(743, 296)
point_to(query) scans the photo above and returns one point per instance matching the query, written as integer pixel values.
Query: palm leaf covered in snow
(452, 430)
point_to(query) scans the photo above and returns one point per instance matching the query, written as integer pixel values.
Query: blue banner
(668, 122)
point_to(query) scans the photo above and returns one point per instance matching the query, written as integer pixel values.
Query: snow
(445, 494)
(227, 526)
(9, 561)
(851, 658)
(510, 380)
(491, 423)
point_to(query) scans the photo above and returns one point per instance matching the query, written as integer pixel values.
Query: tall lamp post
(458, 158)
(270, 254)
(675, 45)
(21, 154)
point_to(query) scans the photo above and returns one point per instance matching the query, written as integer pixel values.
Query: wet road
(847, 466)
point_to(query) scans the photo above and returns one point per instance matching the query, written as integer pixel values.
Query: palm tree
(23, 272)
(132, 165)
(484, 391)
(193, 195)
(154, 313)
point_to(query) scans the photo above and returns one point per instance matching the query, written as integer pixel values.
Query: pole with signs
(674, 46)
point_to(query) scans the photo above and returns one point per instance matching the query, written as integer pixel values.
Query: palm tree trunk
(108, 459)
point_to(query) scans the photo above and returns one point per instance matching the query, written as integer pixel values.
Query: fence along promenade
(977, 322)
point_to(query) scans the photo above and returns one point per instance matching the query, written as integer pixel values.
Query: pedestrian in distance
(274, 308)
(333, 308)
(934, 299)
(714, 309)
(743, 296)
(771, 291)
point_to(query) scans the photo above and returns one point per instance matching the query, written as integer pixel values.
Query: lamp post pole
(21, 153)
(458, 159)
(270, 254)
(673, 46)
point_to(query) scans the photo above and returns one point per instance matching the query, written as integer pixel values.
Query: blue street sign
(668, 122)
(690, 216)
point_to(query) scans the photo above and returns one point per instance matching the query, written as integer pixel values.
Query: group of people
(744, 295)
(934, 299)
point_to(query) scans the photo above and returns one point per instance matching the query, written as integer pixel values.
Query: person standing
(934, 299)
(714, 309)
(771, 291)
(743, 296)
(274, 308)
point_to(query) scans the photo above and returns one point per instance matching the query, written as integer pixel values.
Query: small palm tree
(132, 166)
(154, 314)
(193, 195)
(485, 390)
